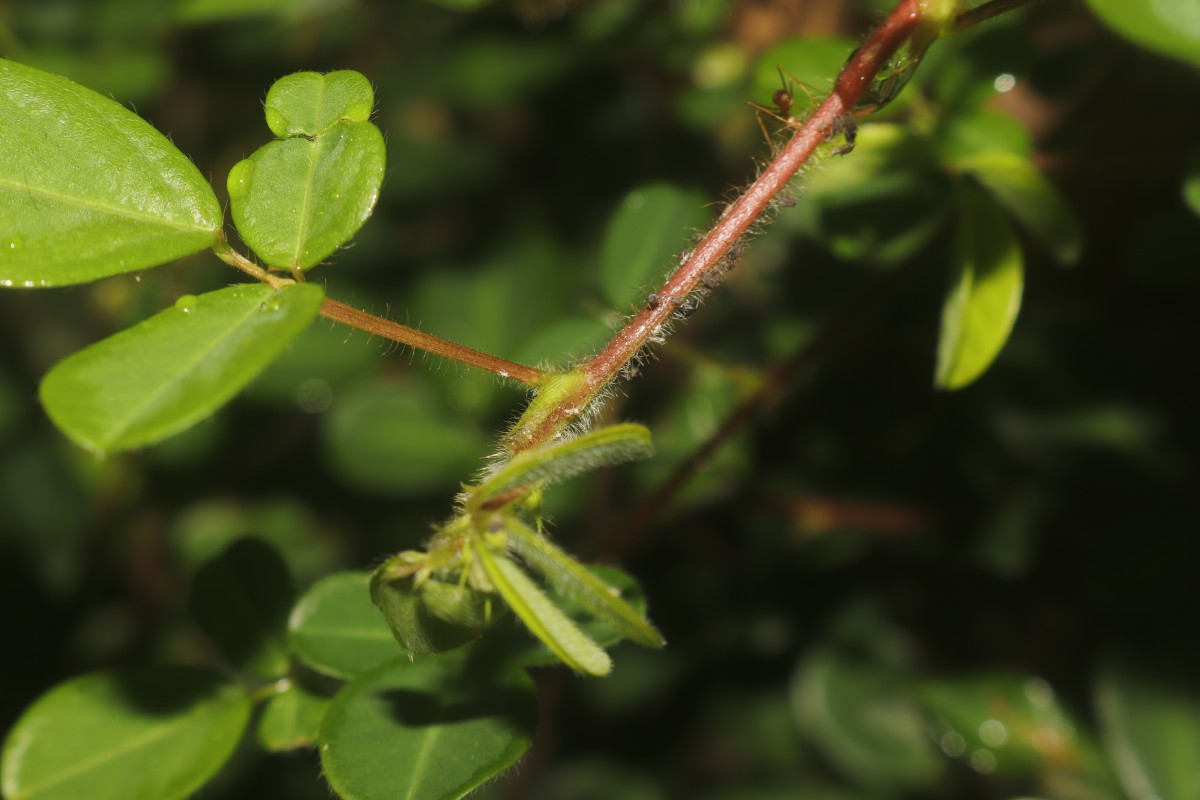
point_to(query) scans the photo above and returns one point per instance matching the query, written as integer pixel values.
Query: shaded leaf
(89, 189)
(426, 729)
(149, 734)
(242, 599)
(337, 631)
(1191, 183)
(544, 619)
(172, 370)
(644, 239)
(435, 617)
(1025, 193)
(1169, 27)
(291, 719)
(1151, 729)
(985, 294)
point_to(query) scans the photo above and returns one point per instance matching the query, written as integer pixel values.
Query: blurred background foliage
(872, 589)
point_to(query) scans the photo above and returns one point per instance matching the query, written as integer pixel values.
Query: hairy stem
(348, 315)
(606, 366)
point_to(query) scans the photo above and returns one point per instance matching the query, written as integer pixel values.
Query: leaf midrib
(114, 210)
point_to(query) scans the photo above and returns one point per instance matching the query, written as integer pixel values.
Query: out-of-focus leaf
(1151, 729)
(297, 199)
(172, 370)
(425, 729)
(89, 189)
(429, 618)
(242, 599)
(981, 133)
(291, 719)
(644, 240)
(1191, 183)
(1026, 194)
(337, 631)
(157, 733)
(399, 438)
(985, 294)
(204, 11)
(1169, 27)
(809, 67)
(865, 719)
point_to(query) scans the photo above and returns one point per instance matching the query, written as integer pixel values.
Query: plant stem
(348, 315)
(983, 13)
(605, 367)
(396, 332)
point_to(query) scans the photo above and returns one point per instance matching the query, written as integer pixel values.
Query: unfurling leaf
(614, 444)
(542, 617)
(575, 581)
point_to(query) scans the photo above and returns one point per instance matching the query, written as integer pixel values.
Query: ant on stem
(783, 98)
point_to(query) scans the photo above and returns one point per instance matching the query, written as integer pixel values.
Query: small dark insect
(847, 126)
(685, 308)
(711, 279)
(653, 300)
(787, 202)
(735, 252)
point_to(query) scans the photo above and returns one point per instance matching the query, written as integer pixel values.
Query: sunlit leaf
(89, 189)
(985, 293)
(428, 729)
(172, 370)
(297, 199)
(337, 631)
(544, 619)
(157, 733)
(1169, 27)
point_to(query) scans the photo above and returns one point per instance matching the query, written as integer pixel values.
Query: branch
(606, 366)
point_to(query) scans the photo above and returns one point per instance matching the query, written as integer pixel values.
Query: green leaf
(89, 189)
(291, 719)
(1025, 193)
(644, 239)
(814, 62)
(1191, 183)
(172, 370)
(242, 599)
(543, 618)
(985, 295)
(298, 199)
(434, 617)
(149, 734)
(337, 631)
(1151, 729)
(1169, 27)
(613, 444)
(308, 103)
(865, 719)
(426, 730)
(572, 579)
(199, 11)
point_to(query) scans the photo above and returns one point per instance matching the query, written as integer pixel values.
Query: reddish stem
(412, 337)
(855, 77)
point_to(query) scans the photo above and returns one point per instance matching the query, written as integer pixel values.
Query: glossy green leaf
(644, 240)
(149, 734)
(544, 619)
(309, 103)
(172, 370)
(1151, 729)
(865, 719)
(89, 189)
(612, 444)
(1169, 27)
(290, 719)
(985, 293)
(1025, 193)
(572, 579)
(426, 730)
(431, 618)
(298, 199)
(242, 599)
(337, 631)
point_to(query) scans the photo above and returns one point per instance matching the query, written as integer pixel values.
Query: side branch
(348, 315)
(854, 79)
